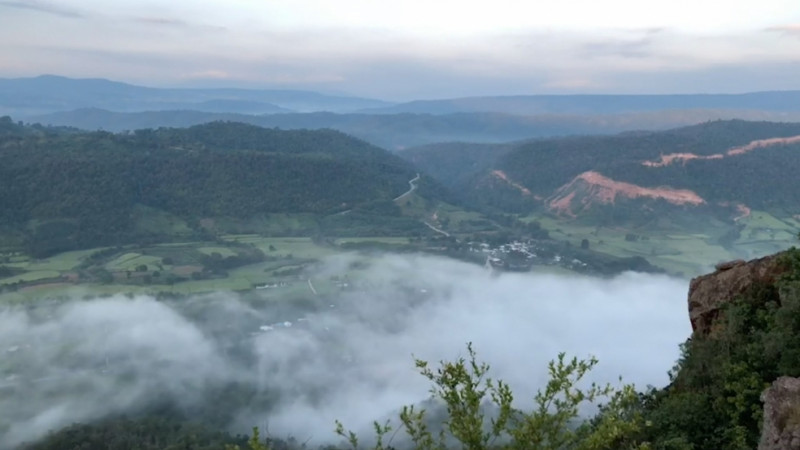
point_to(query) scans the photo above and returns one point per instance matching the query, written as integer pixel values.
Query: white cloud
(352, 362)
(443, 48)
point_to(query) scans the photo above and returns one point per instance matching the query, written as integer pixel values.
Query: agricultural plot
(683, 252)
(222, 251)
(761, 226)
(31, 276)
(60, 262)
(378, 239)
(130, 261)
(297, 247)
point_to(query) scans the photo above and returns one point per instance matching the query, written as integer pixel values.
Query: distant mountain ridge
(104, 104)
(401, 131)
(49, 93)
(777, 101)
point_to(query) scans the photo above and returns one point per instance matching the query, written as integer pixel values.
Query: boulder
(781, 428)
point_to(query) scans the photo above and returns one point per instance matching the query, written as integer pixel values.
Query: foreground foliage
(480, 412)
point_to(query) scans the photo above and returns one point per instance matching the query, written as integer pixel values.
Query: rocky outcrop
(708, 293)
(781, 429)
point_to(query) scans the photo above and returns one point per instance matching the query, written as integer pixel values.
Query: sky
(412, 49)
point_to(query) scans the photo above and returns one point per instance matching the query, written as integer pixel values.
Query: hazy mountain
(779, 101)
(398, 131)
(48, 93)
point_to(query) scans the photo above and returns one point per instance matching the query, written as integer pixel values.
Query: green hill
(64, 190)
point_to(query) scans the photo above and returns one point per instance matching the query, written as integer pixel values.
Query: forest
(64, 190)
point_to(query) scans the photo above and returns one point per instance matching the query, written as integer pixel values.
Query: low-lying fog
(241, 364)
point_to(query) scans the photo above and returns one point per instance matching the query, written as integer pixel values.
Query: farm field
(687, 251)
(278, 265)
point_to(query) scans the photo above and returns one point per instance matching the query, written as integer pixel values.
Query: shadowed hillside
(66, 190)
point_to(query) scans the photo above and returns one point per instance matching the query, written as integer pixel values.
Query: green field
(691, 249)
(288, 260)
(35, 275)
(298, 247)
(223, 251)
(62, 261)
(380, 240)
(682, 245)
(129, 261)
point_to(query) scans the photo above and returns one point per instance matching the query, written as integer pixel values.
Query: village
(521, 256)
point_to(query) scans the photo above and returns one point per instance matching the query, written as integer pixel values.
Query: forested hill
(89, 183)
(753, 163)
(720, 161)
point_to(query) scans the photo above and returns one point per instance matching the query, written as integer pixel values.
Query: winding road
(412, 183)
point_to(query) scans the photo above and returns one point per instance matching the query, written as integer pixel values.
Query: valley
(373, 225)
(242, 262)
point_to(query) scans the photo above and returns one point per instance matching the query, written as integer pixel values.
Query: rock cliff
(707, 296)
(708, 293)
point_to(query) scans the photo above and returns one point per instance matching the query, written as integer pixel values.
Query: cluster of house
(275, 285)
(522, 255)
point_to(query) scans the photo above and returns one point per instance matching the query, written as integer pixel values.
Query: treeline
(71, 190)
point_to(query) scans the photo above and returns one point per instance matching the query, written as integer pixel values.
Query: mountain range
(95, 104)
(49, 93)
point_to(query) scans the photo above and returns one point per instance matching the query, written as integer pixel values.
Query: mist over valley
(235, 360)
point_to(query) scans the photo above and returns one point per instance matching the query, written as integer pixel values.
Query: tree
(585, 244)
(254, 443)
(553, 422)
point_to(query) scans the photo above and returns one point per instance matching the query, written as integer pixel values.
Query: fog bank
(351, 358)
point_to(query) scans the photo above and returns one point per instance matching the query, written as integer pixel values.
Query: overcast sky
(400, 50)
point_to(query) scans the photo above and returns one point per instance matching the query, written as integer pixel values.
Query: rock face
(708, 293)
(781, 429)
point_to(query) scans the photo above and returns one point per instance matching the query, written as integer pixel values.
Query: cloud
(43, 7)
(638, 48)
(299, 366)
(160, 21)
(171, 22)
(792, 30)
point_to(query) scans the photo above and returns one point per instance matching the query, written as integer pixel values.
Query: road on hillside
(438, 230)
(412, 183)
(311, 286)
